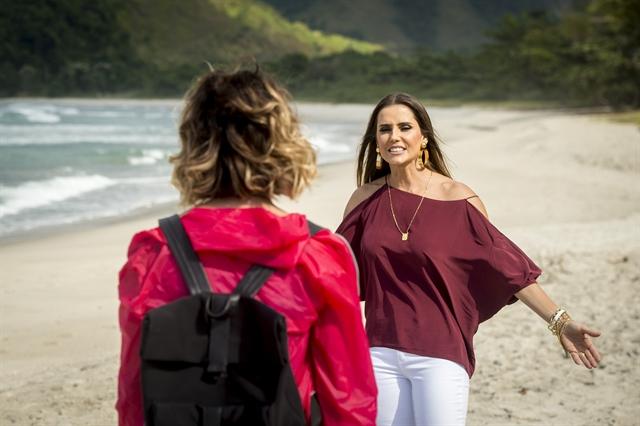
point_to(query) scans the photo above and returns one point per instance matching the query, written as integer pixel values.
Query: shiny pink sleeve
(343, 375)
(134, 277)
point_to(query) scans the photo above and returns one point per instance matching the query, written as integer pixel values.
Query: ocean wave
(323, 145)
(144, 180)
(35, 115)
(111, 114)
(41, 193)
(67, 110)
(148, 157)
(75, 136)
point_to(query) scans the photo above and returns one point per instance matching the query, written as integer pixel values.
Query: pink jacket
(314, 287)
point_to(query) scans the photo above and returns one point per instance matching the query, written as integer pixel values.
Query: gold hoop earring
(378, 159)
(423, 157)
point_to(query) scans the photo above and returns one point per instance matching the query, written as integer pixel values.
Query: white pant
(419, 390)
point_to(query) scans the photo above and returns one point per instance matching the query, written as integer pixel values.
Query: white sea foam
(41, 193)
(144, 180)
(35, 114)
(324, 146)
(68, 111)
(64, 134)
(148, 157)
(111, 114)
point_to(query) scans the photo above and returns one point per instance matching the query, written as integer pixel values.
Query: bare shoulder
(362, 193)
(455, 190)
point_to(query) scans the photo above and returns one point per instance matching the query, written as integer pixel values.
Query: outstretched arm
(575, 337)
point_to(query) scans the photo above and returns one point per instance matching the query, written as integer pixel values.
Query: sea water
(66, 161)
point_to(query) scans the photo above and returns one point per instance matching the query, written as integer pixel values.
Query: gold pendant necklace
(405, 234)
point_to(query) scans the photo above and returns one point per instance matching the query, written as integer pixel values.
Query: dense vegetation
(589, 56)
(142, 47)
(404, 25)
(69, 47)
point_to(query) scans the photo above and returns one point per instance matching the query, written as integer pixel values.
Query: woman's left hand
(576, 340)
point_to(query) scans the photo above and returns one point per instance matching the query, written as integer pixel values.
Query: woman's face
(398, 135)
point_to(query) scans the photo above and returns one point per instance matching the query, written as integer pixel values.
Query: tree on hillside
(55, 47)
(590, 56)
(611, 48)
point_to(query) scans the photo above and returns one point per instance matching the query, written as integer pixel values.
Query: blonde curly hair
(240, 139)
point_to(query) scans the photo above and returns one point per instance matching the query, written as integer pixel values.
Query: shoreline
(507, 105)
(44, 232)
(156, 210)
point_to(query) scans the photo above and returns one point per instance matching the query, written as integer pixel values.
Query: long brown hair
(239, 138)
(367, 171)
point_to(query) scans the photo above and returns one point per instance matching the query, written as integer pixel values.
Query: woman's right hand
(576, 340)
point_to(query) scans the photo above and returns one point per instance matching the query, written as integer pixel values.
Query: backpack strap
(257, 275)
(313, 228)
(191, 268)
(253, 280)
(185, 256)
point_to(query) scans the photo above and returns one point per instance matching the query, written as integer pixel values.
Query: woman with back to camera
(432, 267)
(241, 147)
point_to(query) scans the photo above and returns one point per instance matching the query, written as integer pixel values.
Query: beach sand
(565, 187)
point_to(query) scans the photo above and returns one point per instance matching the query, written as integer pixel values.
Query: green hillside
(173, 32)
(143, 47)
(408, 24)
(268, 24)
(584, 56)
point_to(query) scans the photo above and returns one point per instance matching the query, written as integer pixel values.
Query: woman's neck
(409, 179)
(243, 203)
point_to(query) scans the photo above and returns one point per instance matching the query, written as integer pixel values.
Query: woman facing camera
(240, 148)
(432, 268)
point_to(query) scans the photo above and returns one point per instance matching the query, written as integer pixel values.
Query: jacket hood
(253, 234)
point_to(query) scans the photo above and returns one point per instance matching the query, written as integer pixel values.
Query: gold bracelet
(565, 320)
(554, 319)
(563, 326)
(557, 323)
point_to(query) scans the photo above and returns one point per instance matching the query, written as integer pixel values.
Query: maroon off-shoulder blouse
(427, 295)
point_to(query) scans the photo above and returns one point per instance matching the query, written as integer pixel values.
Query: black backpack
(217, 359)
